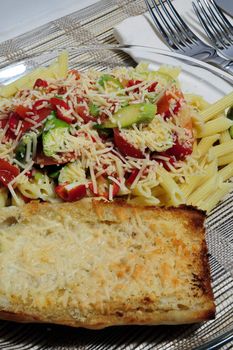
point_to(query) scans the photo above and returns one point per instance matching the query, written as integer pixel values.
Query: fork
(216, 25)
(181, 38)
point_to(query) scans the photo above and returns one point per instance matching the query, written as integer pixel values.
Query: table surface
(18, 17)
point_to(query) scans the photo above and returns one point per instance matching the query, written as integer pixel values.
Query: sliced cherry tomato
(61, 90)
(43, 112)
(83, 113)
(22, 111)
(40, 83)
(13, 121)
(69, 193)
(125, 147)
(67, 119)
(103, 182)
(170, 159)
(58, 102)
(132, 83)
(180, 150)
(163, 105)
(7, 172)
(132, 177)
(3, 123)
(75, 73)
(152, 87)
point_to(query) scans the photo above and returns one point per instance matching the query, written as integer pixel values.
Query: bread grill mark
(142, 305)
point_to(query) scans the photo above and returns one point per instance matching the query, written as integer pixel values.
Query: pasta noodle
(217, 107)
(215, 126)
(171, 188)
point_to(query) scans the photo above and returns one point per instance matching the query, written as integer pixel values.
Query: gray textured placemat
(94, 25)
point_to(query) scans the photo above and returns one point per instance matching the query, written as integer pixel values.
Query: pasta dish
(127, 132)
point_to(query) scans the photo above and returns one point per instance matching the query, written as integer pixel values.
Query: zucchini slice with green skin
(131, 114)
(54, 129)
(109, 83)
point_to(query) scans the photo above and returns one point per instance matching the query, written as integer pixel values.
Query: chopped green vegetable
(54, 174)
(94, 110)
(54, 130)
(21, 149)
(132, 114)
(109, 83)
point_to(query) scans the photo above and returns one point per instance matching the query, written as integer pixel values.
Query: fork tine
(160, 28)
(222, 16)
(171, 36)
(183, 25)
(202, 21)
(219, 25)
(175, 24)
(210, 29)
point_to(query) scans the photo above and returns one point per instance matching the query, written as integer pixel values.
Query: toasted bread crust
(110, 263)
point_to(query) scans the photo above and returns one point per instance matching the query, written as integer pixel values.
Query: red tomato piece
(163, 105)
(40, 83)
(7, 172)
(43, 112)
(152, 87)
(132, 83)
(22, 111)
(3, 123)
(180, 150)
(125, 147)
(170, 159)
(67, 119)
(58, 102)
(132, 177)
(69, 193)
(61, 90)
(83, 113)
(102, 180)
(75, 73)
(13, 121)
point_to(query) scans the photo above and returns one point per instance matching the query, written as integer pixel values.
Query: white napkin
(141, 30)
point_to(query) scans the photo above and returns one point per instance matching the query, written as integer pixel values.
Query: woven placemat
(94, 25)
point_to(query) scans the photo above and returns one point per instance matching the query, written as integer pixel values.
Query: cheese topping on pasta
(127, 132)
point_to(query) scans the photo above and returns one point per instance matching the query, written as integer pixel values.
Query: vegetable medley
(94, 134)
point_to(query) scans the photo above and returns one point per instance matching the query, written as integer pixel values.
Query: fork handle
(220, 62)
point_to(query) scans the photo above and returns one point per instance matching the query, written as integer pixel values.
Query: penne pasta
(217, 107)
(171, 188)
(226, 172)
(224, 136)
(221, 150)
(226, 159)
(203, 191)
(214, 127)
(205, 144)
(218, 194)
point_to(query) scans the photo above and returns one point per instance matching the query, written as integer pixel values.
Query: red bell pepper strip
(71, 192)
(125, 147)
(40, 83)
(7, 172)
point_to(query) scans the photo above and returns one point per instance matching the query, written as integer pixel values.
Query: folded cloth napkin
(141, 30)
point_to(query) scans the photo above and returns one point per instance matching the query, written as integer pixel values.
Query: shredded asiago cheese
(92, 157)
